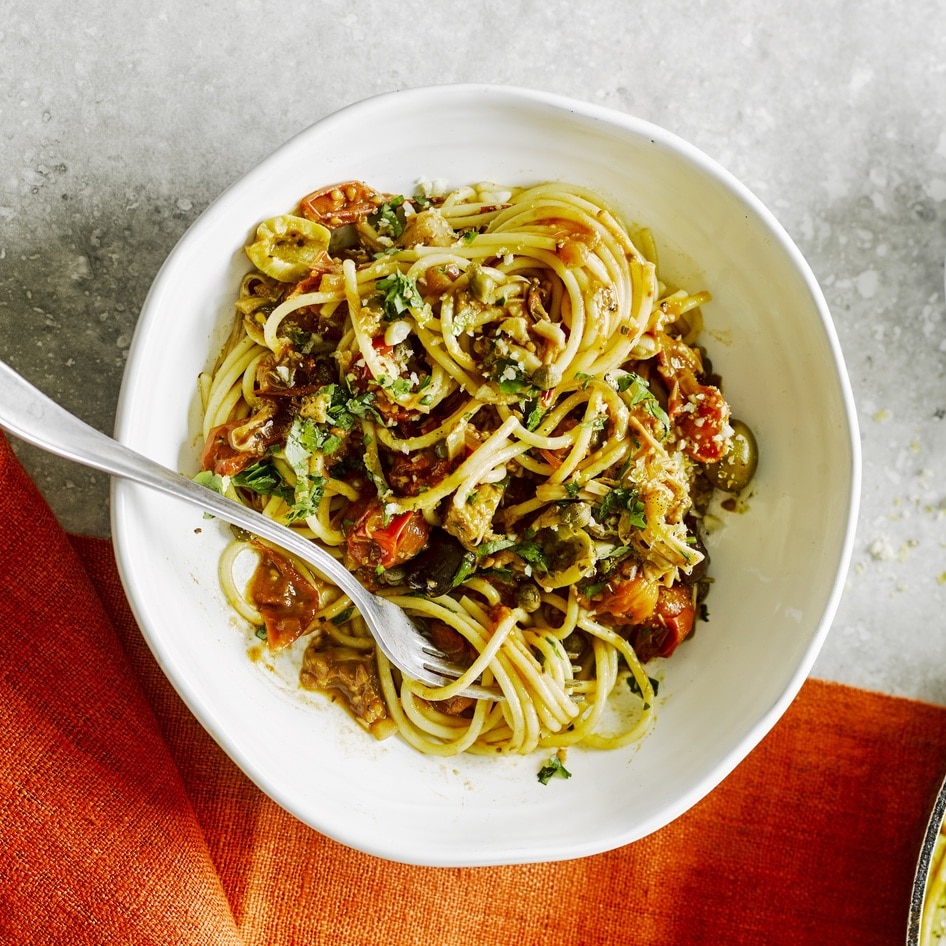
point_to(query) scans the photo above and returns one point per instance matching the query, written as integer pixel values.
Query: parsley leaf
(362, 405)
(467, 567)
(263, 478)
(553, 768)
(533, 553)
(398, 387)
(634, 686)
(387, 220)
(532, 413)
(510, 377)
(211, 480)
(640, 393)
(303, 440)
(495, 545)
(399, 293)
(342, 617)
(590, 590)
(595, 423)
(621, 499)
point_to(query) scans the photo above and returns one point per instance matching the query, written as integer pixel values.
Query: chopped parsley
(212, 481)
(304, 439)
(343, 407)
(312, 437)
(467, 567)
(634, 686)
(510, 376)
(494, 545)
(616, 554)
(532, 413)
(590, 590)
(594, 423)
(398, 387)
(640, 393)
(399, 293)
(553, 769)
(262, 477)
(621, 499)
(530, 551)
(387, 220)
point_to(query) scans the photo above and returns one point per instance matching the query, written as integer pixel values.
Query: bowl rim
(121, 492)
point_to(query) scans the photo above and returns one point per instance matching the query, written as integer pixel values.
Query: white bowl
(778, 568)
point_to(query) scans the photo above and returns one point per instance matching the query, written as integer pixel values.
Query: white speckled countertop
(120, 123)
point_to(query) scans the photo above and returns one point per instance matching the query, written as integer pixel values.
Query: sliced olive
(286, 246)
(569, 554)
(735, 471)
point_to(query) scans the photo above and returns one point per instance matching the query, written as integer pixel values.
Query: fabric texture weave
(122, 822)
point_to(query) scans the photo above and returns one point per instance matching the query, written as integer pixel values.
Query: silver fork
(32, 416)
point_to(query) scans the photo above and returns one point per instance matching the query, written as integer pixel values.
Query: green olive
(735, 471)
(286, 246)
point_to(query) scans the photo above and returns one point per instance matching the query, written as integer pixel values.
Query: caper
(735, 471)
(577, 514)
(546, 377)
(528, 597)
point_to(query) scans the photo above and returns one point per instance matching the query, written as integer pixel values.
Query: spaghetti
(489, 407)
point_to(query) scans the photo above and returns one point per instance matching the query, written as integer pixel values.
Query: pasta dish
(490, 408)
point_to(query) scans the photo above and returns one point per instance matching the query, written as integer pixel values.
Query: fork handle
(32, 416)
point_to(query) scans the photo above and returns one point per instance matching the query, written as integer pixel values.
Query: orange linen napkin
(121, 822)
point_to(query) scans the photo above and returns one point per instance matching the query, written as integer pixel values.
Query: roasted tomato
(705, 425)
(699, 411)
(294, 375)
(341, 204)
(221, 456)
(287, 601)
(669, 625)
(373, 539)
(411, 473)
(452, 644)
(632, 601)
(233, 446)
